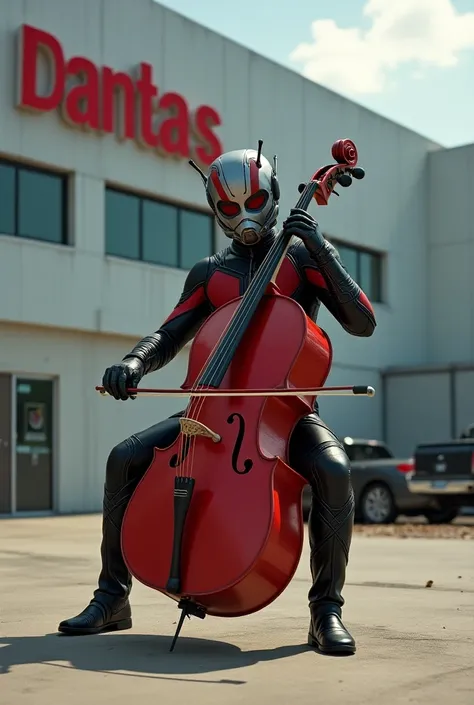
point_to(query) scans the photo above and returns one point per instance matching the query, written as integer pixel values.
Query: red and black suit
(314, 451)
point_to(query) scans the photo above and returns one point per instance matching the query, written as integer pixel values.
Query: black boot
(330, 534)
(109, 610)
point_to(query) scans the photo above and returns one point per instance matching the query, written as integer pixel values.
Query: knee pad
(120, 464)
(332, 469)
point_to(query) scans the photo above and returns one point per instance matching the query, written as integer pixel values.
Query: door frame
(55, 446)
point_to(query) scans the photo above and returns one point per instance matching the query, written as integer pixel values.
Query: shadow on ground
(145, 656)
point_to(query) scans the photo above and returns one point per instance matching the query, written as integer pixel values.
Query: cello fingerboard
(221, 357)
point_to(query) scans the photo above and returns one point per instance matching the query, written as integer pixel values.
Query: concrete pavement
(415, 644)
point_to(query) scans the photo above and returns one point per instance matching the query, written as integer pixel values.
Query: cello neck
(224, 352)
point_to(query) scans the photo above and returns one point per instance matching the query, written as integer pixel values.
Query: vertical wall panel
(418, 410)
(464, 389)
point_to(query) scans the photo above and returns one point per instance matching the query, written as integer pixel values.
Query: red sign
(163, 123)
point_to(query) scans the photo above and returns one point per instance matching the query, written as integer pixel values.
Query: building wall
(434, 404)
(72, 304)
(451, 256)
(427, 405)
(386, 211)
(360, 417)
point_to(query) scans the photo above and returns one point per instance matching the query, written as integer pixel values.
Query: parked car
(381, 489)
(446, 471)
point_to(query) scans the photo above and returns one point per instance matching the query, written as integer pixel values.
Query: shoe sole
(341, 649)
(112, 627)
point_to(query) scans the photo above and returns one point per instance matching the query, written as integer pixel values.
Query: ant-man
(242, 190)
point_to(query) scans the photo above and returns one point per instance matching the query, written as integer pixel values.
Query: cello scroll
(345, 153)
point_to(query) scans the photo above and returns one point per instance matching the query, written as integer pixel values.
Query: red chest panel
(288, 279)
(222, 287)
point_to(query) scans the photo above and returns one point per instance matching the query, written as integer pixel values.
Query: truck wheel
(441, 516)
(377, 505)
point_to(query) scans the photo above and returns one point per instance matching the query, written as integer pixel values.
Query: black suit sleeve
(192, 309)
(341, 295)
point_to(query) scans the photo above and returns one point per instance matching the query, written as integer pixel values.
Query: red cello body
(244, 529)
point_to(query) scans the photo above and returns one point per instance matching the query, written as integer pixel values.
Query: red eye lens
(229, 208)
(257, 201)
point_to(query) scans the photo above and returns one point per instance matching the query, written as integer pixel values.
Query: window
(160, 233)
(366, 452)
(196, 234)
(32, 203)
(122, 225)
(7, 200)
(156, 232)
(364, 266)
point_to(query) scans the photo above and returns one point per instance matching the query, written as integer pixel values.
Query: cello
(216, 522)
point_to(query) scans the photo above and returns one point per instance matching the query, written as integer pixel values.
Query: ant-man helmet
(242, 189)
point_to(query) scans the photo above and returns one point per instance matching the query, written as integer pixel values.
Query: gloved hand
(304, 226)
(118, 378)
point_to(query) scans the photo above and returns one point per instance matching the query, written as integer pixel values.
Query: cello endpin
(187, 608)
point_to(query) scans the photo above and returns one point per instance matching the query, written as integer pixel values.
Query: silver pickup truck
(381, 489)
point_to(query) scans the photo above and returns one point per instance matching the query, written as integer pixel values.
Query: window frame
(63, 178)
(379, 257)
(180, 207)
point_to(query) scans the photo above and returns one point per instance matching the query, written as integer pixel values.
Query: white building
(98, 228)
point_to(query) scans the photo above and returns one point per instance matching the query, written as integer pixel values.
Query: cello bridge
(190, 427)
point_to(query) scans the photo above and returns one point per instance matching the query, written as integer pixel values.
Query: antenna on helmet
(275, 159)
(259, 153)
(199, 171)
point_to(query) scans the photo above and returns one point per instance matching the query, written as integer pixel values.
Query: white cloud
(421, 33)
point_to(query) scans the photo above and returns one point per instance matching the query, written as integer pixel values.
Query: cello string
(248, 302)
(196, 405)
(240, 313)
(304, 201)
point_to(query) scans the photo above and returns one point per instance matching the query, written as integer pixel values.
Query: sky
(409, 60)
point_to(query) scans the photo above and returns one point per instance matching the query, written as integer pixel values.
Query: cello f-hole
(248, 464)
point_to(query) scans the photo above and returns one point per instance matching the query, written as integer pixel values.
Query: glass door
(5, 444)
(34, 445)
